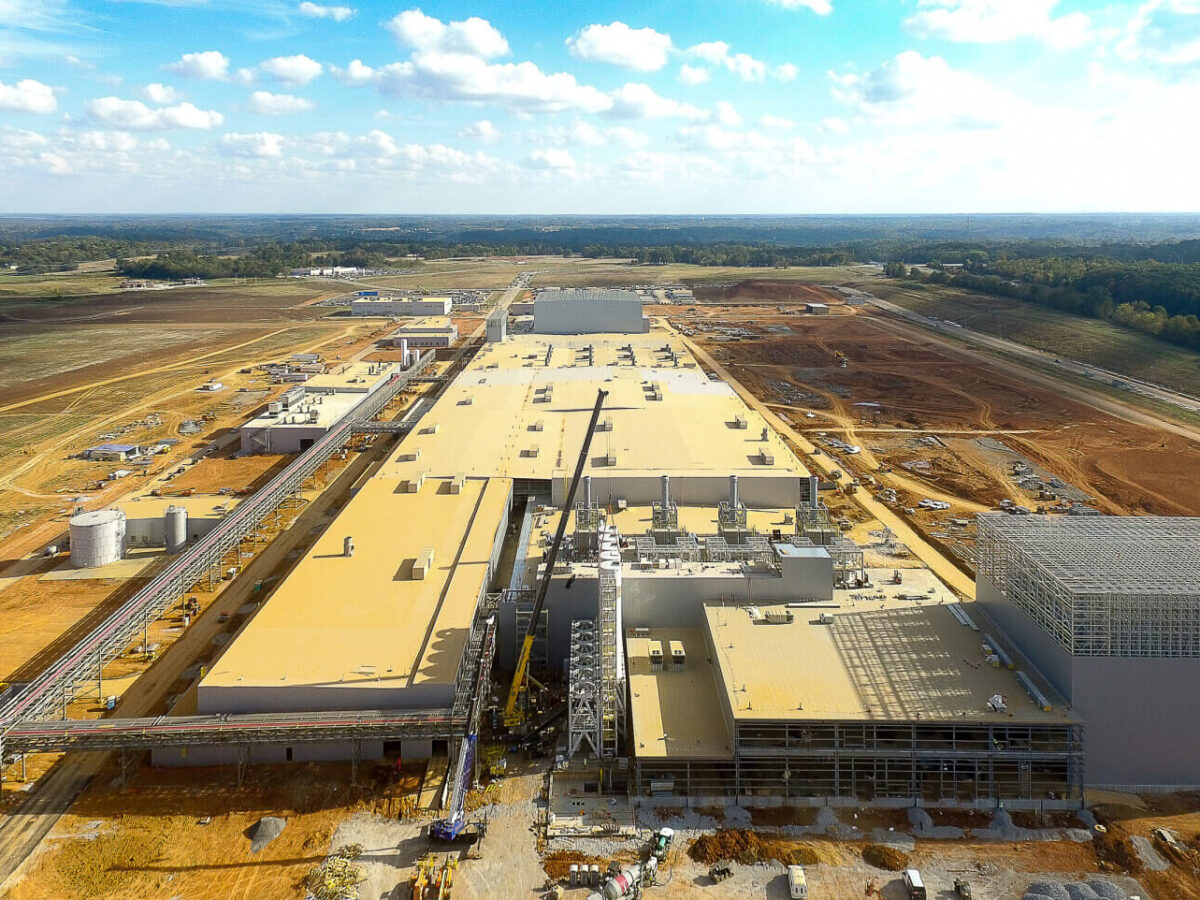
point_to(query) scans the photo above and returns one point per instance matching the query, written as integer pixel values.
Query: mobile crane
(514, 712)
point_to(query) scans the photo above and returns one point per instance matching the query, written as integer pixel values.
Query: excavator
(514, 708)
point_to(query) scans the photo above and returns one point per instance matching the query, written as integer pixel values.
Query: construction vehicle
(962, 889)
(661, 843)
(454, 826)
(514, 708)
(623, 885)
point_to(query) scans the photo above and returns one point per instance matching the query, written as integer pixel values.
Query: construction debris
(336, 878)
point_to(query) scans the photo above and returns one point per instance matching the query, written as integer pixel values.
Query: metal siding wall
(1140, 720)
(1047, 655)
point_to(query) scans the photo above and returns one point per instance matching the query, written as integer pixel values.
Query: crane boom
(512, 715)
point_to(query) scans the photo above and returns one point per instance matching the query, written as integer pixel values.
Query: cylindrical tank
(587, 490)
(666, 490)
(175, 525)
(594, 874)
(733, 491)
(404, 351)
(573, 871)
(97, 538)
(622, 885)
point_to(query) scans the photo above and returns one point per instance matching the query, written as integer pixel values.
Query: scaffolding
(1100, 585)
(611, 646)
(584, 702)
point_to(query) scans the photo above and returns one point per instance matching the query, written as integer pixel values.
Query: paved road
(939, 564)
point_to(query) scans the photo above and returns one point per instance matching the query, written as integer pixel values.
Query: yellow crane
(514, 713)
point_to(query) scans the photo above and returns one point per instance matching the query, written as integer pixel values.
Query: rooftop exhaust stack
(666, 491)
(348, 547)
(587, 491)
(813, 487)
(733, 491)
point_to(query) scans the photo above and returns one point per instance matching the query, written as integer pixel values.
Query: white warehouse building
(391, 307)
(589, 312)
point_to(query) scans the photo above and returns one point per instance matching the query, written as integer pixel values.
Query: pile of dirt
(558, 865)
(748, 847)
(1117, 850)
(881, 856)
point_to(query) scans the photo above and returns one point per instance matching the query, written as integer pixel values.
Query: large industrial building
(715, 634)
(1108, 609)
(588, 311)
(302, 414)
(431, 331)
(396, 307)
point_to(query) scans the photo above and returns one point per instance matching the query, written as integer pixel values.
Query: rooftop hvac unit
(456, 483)
(537, 426)
(411, 455)
(991, 645)
(610, 459)
(422, 564)
(779, 617)
(466, 401)
(739, 422)
(766, 459)
(431, 429)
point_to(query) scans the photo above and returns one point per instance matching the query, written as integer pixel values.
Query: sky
(656, 107)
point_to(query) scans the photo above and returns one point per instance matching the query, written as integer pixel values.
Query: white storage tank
(97, 538)
(175, 527)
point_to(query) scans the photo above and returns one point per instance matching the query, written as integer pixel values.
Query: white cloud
(260, 144)
(911, 89)
(160, 94)
(483, 130)
(522, 87)
(473, 36)
(777, 122)
(639, 101)
(211, 65)
(628, 137)
(785, 72)
(550, 159)
(727, 115)
(357, 72)
(27, 96)
(834, 125)
(293, 71)
(820, 7)
(267, 104)
(137, 116)
(317, 11)
(694, 75)
(716, 53)
(999, 21)
(640, 49)
(1164, 32)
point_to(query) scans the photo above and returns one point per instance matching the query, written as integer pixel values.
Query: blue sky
(706, 106)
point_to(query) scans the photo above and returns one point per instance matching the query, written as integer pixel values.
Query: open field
(1092, 341)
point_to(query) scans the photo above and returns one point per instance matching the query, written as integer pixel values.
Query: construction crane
(453, 826)
(514, 713)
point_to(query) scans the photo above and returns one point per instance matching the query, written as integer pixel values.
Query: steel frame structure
(1100, 585)
(82, 665)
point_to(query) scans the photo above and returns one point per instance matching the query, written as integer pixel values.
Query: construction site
(603, 600)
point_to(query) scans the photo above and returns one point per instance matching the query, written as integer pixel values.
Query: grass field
(1091, 341)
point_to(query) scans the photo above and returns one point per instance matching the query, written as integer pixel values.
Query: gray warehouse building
(1108, 610)
(588, 311)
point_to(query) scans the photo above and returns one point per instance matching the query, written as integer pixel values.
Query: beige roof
(425, 323)
(908, 663)
(674, 713)
(364, 620)
(357, 376)
(515, 434)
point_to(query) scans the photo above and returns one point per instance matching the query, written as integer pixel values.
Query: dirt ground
(917, 408)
